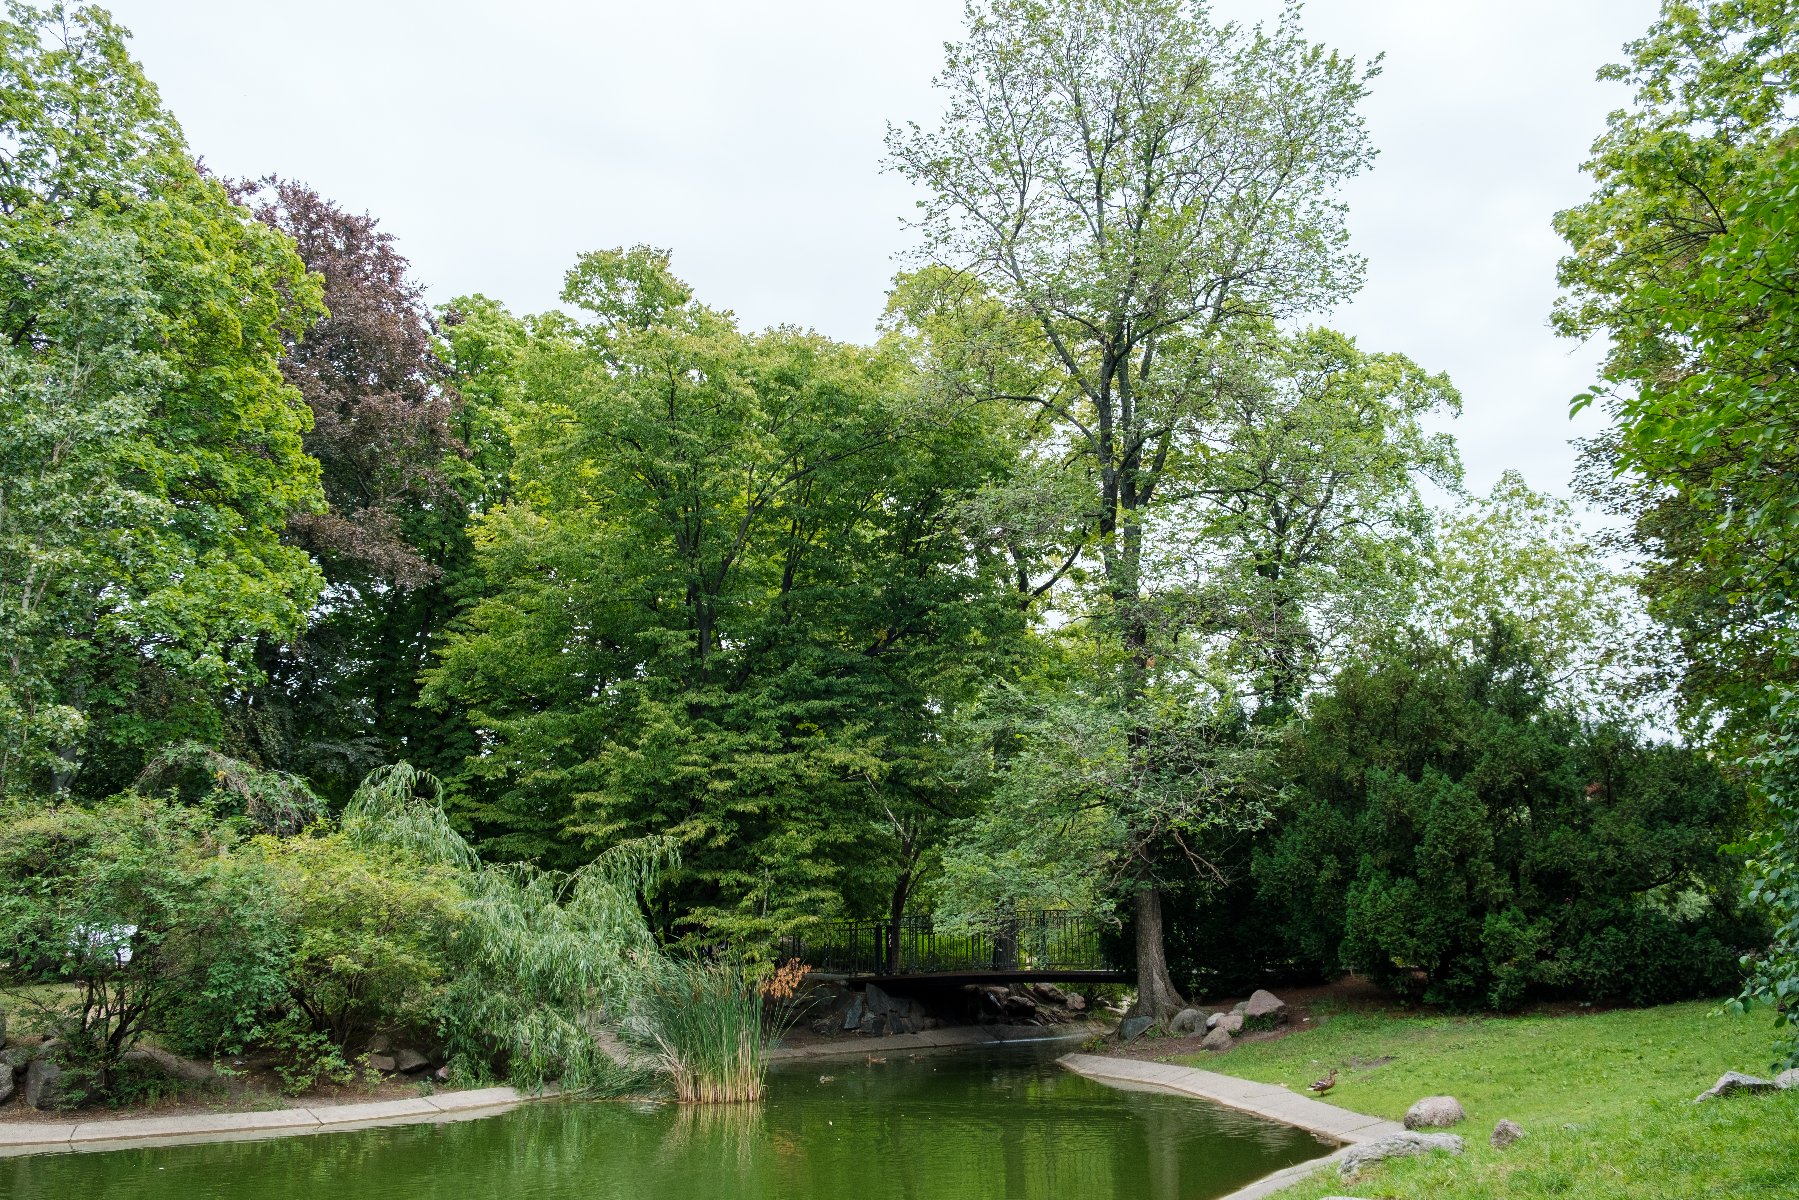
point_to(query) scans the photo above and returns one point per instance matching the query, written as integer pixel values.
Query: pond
(973, 1124)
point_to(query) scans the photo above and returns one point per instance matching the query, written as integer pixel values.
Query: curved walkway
(21, 1137)
(1259, 1099)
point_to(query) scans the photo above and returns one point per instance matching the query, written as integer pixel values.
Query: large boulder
(879, 1002)
(852, 1016)
(48, 1086)
(407, 1060)
(1217, 1040)
(1075, 1002)
(1434, 1112)
(6, 1083)
(1264, 1010)
(1188, 1020)
(1049, 993)
(1787, 1078)
(383, 1062)
(1398, 1145)
(1733, 1083)
(1132, 1028)
(1504, 1134)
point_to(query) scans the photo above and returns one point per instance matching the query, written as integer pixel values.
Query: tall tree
(1684, 257)
(1138, 183)
(150, 451)
(341, 699)
(730, 601)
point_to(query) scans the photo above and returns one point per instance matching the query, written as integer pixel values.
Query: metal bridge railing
(1025, 941)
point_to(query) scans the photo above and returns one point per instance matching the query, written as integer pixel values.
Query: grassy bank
(1605, 1100)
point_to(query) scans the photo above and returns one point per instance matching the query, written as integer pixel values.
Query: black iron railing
(1025, 941)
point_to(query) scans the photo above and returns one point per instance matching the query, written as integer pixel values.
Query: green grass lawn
(1605, 1100)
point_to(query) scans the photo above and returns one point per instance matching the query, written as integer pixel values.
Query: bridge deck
(958, 978)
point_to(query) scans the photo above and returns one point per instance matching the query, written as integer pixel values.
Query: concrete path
(935, 1039)
(1260, 1099)
(24, 1138)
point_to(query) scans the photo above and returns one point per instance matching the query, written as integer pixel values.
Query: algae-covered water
(964, 1125)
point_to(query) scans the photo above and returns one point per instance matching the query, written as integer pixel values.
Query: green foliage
(373, 933)
(1684, 259)
(1455, 835)
(728, 603)
(1774, 878)
(138, 908)
(150, 449)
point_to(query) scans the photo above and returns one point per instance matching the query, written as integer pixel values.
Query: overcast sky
(497, 141)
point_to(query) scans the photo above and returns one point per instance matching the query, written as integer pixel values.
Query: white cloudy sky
(498, 140)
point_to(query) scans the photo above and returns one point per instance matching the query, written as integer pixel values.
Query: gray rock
(1239, 1006)
(1049, 993)
(1398, 1145)
(1434, 1112)
(382, 1062)
(1504, 1134)
(442, 1074)
(1218, 1040)
(1732, 1082)
(17, 1056)
(1230, 1022)
(1132, 1028)
(852, 1017)
(6, 1084)
(1264, 1010)
(1212, 1021)
(1075, 1002)
(1787, 1078)
(879, 1002)
(380, 1044)
(408, 1060)
(1188, 1020)
(48, 1086)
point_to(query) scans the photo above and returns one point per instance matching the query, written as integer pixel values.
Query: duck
(1320, 1086)
(875, 1060)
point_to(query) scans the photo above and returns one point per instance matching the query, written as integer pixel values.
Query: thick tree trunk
(1156, 993)
(896, 918)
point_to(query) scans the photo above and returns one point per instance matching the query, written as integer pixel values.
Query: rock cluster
(1263, 1010)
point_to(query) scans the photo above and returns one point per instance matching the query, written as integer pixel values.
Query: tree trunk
(1156, 994)
(896, 917)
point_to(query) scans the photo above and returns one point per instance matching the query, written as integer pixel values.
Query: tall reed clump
(710, 1024)
(543, 956)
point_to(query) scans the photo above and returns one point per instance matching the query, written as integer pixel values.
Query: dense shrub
(138, 910)
(1454, 835)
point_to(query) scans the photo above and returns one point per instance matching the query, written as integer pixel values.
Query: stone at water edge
(1186, 1021)
(1217, 1040)
(1434, 1112)
(852, 1016)
(1732, 1082)
(1504, 1134)
(879, 1002)
(1787, 1078)
(1132, 1028)
(1398, 1145)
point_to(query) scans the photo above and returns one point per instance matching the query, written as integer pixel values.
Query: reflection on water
(975, 1124)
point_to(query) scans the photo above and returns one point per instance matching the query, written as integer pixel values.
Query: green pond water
(942, 1126)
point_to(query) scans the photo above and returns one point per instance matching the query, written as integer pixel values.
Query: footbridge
(1024, 947)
